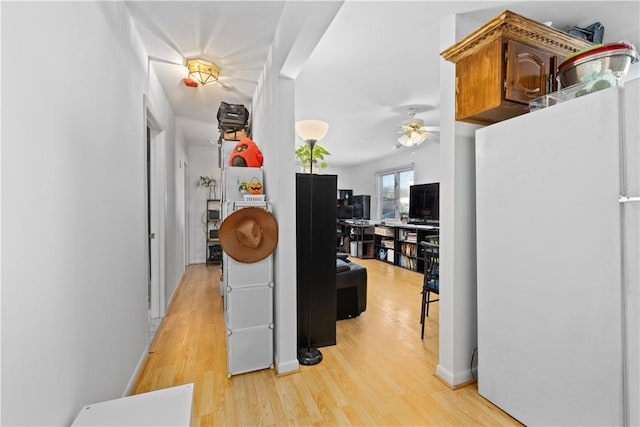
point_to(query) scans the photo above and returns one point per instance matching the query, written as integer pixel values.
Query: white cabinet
(247, 288)
(248, 307)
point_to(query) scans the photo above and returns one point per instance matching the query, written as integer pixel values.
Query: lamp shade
(311, 129)
(412, 138)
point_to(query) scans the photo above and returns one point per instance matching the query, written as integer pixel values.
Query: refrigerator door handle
(628, 199)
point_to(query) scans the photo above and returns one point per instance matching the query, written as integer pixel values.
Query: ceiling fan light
(412, 138)
(202, 71)
(404, 140)
(417, 138)
(413, 122)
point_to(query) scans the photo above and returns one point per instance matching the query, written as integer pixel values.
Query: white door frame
(185, 243)
(157, 216)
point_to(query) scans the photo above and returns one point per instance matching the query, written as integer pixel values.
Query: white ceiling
(376, 59)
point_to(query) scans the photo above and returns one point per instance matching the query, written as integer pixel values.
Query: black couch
(351, 286)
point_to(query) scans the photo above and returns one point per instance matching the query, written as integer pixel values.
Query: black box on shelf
(213, 234)
(215, 252)
(214, 214)
(361, 206)
(344, 197)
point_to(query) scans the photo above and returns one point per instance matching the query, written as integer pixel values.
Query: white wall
(203, 161)
(74, 285)
(458, 309)
(362, 178)
(273, 130)
(174, 155)
(176, 261)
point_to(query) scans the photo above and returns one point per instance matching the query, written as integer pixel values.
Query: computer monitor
(424, 202)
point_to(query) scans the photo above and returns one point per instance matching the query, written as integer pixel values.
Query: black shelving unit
(407, 249)
(316, 258)
(362, 242)
(385, 244)
(213, 248)
(400, 245)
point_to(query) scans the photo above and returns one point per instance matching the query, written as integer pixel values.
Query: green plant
(206, 181)
(319, 152)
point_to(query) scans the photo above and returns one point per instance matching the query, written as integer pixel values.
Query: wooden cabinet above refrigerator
(504, 64)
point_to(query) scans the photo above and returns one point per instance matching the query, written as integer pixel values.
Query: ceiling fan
(413, 132)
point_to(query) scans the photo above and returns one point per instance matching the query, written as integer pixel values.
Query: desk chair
(431, 281)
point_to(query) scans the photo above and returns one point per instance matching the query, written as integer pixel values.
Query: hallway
(379, 373)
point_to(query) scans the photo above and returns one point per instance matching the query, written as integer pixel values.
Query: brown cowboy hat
(249, 234)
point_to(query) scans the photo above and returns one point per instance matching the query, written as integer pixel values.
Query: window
(393, 192)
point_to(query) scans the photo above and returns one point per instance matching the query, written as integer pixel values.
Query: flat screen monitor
(424, 202)
(344, 212)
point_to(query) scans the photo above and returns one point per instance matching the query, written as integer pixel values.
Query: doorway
(155, 188)
(185, 228)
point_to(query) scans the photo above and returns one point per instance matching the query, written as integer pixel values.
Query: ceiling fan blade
(433, 136)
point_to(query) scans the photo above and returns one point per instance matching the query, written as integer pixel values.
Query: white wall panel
(74, 277)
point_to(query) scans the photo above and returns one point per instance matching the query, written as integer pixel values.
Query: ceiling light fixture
(202, 71)
(413, 130)
(412, 137)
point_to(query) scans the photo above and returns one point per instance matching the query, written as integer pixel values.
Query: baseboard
(136, 372)
(286, 367)
(457, 380)
(173, 294)
(143, 359)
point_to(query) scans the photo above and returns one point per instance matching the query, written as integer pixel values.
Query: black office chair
(431, 281)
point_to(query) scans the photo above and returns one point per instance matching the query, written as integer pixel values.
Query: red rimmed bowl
(582, 66)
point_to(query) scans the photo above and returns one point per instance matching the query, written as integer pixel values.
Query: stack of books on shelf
(409, 249)
(409, 236)
(405, 261)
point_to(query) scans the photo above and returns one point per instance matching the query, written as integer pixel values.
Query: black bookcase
(316, 257)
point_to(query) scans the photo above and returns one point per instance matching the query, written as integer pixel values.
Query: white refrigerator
(558, 231)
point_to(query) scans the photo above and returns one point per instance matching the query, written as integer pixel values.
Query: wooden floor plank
(379, 373)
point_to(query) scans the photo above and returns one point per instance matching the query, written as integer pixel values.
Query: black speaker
(344, 212)
(346, 196)
(361, 207)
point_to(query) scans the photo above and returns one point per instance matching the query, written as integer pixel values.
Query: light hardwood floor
(379, 373)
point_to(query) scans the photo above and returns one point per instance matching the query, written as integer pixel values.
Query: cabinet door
(479, 82)
(528, 72)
